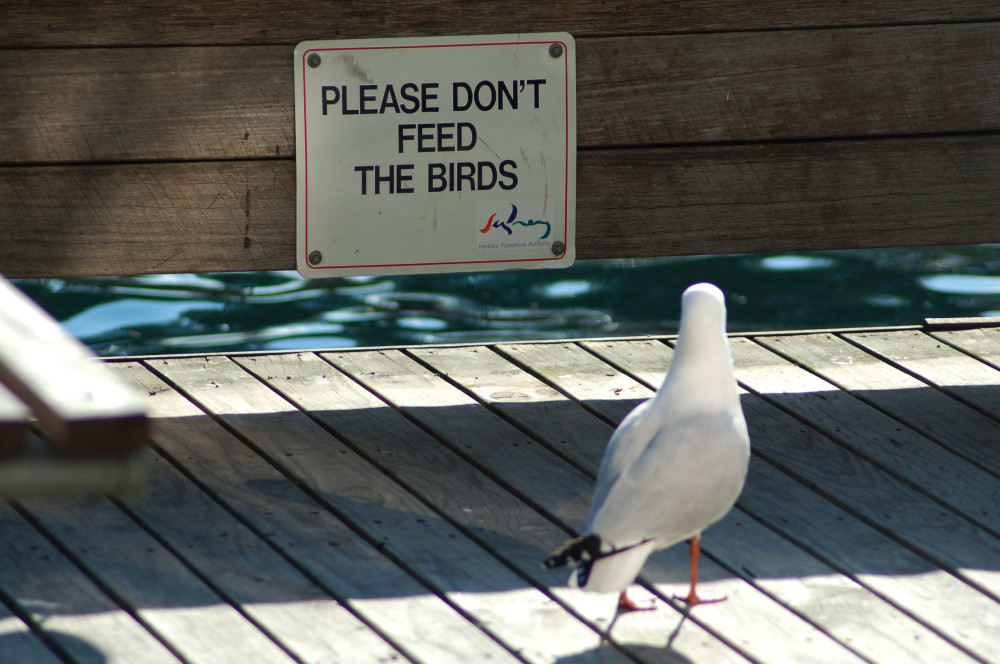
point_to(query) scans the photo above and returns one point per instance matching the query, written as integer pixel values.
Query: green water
(158, 314)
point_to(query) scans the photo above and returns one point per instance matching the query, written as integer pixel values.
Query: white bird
(674, 466)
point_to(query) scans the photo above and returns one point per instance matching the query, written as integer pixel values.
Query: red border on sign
(305, 156)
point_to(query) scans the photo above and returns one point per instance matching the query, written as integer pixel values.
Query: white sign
(441, 154)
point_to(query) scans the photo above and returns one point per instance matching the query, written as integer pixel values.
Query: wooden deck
(394, 505)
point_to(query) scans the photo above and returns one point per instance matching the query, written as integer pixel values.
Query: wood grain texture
(350, 566)
(81, 105)
(407, 529)
(153, 583)
(67, 605)
(963, 377)
(529, 467)
(937, 599)
(174, 217)
(864, 488)
(836, 537)
(931, 412)
(507, 526)
(791, 575)
(133, 219)
(520, 397)
(307, 495)
(61, 23)
(874, 436)
(252, 575)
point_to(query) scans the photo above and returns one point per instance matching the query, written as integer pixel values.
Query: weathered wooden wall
(159, 137)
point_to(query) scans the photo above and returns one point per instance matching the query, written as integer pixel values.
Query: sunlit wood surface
(395, 504)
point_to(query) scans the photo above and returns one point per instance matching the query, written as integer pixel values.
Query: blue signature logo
(493, 222)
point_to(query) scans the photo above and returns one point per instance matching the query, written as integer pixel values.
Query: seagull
(673, 467)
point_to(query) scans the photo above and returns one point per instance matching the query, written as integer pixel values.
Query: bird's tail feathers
(615, 568)
(576, 550)
(613, 572)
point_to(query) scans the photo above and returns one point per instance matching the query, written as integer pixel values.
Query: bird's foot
(627, 605)
(693, 599)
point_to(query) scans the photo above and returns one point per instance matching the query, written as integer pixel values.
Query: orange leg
(692, 597)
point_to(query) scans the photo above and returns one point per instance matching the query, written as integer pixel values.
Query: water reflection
(280, 310)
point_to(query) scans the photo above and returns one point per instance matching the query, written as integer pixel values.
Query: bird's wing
(627, 444)
(687, 478)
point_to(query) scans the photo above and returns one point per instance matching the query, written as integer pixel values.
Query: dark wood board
(71, 611)
(84, 105)
(483, 590)
(205, 216)
(61, 23)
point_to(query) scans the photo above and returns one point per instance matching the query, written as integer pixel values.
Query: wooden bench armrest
(92, 421)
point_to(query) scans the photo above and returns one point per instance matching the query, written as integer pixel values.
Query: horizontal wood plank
(82, 406)
(67, 105)
(130, 219)
(62, 23)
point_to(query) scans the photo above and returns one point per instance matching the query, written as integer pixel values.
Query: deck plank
(525, 620)
(897, 393)
(243, 567)
(19, 644)
(64, 604)
(154, 584)
(730, 540)
(925, 465)
(371, 505)
(750, 622)
(490, 514)
(902, 511)
(940, 602)
(983, 343)
(350, 567)
(961, 376)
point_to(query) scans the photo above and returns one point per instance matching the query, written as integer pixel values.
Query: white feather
(677, 463)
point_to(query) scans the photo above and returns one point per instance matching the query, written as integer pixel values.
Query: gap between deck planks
(378, 504)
